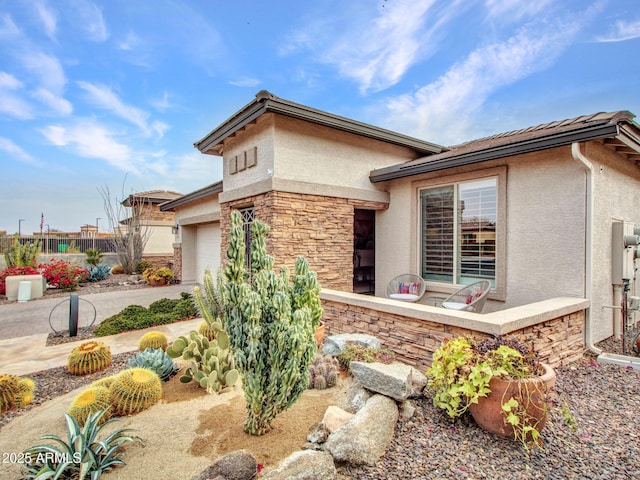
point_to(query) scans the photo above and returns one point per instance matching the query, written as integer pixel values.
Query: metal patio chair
(470, 298)
(406, 287)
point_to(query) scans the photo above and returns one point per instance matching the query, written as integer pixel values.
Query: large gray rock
(392, 380)
(305, 465)
(357, 397)
(364, 439)
(334, 344)
(238, 465)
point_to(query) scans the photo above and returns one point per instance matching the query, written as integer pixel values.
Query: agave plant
(83, 455)
(157, 360)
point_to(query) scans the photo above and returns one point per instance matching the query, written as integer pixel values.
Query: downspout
(579, 157)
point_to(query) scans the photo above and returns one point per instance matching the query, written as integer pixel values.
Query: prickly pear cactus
(270, 322)
(212, 364)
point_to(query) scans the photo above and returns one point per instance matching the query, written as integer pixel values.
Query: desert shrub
(18, 255)
(354, 352)
(63, 275)
(11, 271)
(117, 270)
(98, 272)
(136, 317)
(164, 305)
(143, 265)
(94, 256)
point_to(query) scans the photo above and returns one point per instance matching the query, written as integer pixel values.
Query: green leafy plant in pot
(499, 381)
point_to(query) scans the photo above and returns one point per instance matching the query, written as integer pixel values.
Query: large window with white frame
(458, 227)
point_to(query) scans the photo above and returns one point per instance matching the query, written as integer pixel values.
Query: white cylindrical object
(24, 292)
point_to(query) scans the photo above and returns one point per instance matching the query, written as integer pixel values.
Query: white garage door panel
(207, 249)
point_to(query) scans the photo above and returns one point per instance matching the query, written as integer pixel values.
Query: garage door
(207, 249)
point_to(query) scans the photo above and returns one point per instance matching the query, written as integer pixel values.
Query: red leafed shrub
(11, 271)
(63, 275)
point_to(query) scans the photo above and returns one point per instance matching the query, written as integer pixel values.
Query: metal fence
(61, 244)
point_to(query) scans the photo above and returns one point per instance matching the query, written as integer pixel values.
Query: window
(248, 216)
(458, 232)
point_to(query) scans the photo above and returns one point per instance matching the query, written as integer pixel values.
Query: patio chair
(406, 287)
(470, 298)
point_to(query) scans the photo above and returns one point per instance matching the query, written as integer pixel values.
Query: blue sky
(113, 93)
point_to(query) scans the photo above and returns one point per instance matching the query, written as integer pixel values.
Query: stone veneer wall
(159, 261)
(177, 261)
(317, 227)
(558, 341)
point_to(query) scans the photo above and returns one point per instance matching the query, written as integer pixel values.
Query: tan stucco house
(535, 211)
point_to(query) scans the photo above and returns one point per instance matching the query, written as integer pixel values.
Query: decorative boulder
(365, 438)
(238, 465)
(392, 380)
(334, 344)
(305, 465)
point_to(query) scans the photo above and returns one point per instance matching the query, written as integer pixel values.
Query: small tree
(270, 323)
(129, 221)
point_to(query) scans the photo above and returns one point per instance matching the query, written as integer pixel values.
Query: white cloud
(90, 140)
(8, 29)
(90, 19)
(103, 97)
(444, 110)
(47, 69)
(163, 103)
(59, 105)
(513, 10)
(17, 152)
(621, 31)
(245, 82)
(10, 102)
(376, 47)
(48, 19)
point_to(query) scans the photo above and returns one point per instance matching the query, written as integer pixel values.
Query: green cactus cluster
(212, 364)
(270, 319)
(90, 401)
(88, 357)
(134, 390)
(19, 255)
(323, 371)
(156, 360)
(153, 340)
(15, 391)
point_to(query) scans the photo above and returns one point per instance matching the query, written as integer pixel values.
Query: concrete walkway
(24, 328)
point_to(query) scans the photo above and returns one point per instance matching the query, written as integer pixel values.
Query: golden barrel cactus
(153, 340)
(15, 391)
(88, 402)
(89, 357)
(134, 390)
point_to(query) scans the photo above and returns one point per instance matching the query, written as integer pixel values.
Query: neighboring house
(145, 213)
(533, 210)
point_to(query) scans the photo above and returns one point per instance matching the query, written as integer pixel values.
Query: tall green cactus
(270, 322)
(208, 301)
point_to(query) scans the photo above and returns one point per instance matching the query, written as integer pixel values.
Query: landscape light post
(20, 227)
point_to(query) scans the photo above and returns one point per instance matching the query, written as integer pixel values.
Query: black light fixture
(175, 228)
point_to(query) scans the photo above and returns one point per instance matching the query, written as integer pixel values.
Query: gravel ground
(593, 433)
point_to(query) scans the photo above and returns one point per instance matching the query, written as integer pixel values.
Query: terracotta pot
(157, 283)
(533, 391)
(319, 335)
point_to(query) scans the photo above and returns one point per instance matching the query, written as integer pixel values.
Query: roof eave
(192, 197)
(267, 102)
(517, 148)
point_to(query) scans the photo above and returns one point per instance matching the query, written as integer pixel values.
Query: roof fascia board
(192, 197)
(518, 148)
(266, 102)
